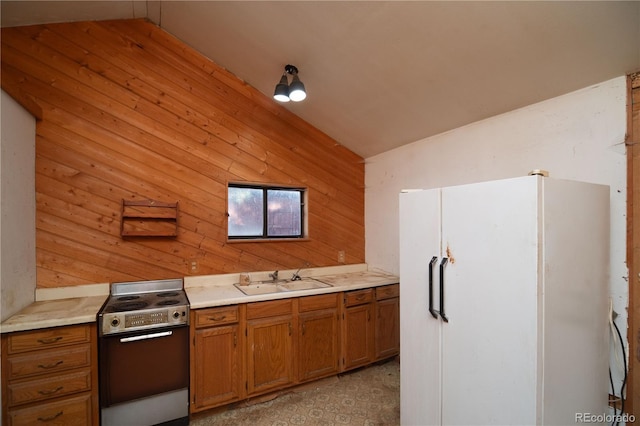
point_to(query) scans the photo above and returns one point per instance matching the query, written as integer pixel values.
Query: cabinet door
(490, 236)
(420, 331)
(318, 344)
(217, 369)
(358, 336)
(387, 327)
(270, 353)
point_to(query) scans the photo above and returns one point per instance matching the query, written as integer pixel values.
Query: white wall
(577, 136)
(18, 207)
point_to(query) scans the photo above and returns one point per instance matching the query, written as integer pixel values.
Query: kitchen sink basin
(260, 288)
(279, 286)
(305, 284)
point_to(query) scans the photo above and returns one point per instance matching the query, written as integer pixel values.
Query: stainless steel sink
(279, 286)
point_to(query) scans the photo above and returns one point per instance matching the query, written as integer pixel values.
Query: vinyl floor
(368, 396)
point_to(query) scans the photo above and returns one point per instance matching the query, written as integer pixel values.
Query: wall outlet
(341, 256)
(193, 265)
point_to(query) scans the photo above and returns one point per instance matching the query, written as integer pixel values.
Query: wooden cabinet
(50, 376)
(387, 321)
(216, 367)
(250, 349)
(318, 336)
(357, 329)
(270, 334)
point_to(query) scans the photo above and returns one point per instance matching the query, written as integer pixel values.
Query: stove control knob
(176, 314)
(115, 322)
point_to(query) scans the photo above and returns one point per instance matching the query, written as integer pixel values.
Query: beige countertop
(53, 313)
(220, 291)
(68, 306)
(59, 306)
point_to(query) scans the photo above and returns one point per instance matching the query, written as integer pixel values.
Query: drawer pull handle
(52, 365)
(218, 318)
(360, 297)
(48, 419)
(50, 340)
(51, 391)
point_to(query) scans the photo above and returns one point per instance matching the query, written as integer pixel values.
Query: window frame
(264, 237)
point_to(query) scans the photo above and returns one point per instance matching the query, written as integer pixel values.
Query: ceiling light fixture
(285, 92)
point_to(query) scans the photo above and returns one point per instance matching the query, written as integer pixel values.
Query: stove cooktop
(142, 305)
(139, 302)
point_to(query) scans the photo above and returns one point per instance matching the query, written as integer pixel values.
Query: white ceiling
(380, 74)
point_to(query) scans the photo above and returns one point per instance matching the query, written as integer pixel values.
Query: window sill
(268, 240)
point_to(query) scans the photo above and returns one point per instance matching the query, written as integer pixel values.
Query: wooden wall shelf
(149, 218)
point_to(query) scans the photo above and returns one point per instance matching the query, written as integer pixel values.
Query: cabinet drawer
(314, 303)
(49, 387)
(49, 338)
(358, 297)
(74, 411)
(387, 291)
(49, 361)
(269, 309)
(216, 316)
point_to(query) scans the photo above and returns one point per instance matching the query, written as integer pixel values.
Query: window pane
(245, 212)
(283, 213)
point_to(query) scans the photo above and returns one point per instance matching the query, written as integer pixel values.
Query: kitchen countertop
(68, 306)
(220, 293)
(53, 313)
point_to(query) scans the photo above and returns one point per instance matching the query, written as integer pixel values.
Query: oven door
(142, 364)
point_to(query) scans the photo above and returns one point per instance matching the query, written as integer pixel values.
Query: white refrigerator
(504, 303)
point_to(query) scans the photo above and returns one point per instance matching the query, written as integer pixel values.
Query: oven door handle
(146, 336)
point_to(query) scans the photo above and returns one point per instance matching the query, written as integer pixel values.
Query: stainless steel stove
(144, 354)
(143, 305)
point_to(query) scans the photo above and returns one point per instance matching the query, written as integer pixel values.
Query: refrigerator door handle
(442, 265)
(433, 312)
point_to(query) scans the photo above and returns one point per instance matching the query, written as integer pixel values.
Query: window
(265, 212)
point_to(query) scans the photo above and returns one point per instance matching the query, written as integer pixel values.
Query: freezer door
(420, 332)
(490, 236)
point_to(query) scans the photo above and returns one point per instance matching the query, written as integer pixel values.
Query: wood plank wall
(126, 111)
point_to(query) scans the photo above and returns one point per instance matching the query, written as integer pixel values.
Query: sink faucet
(274, 276)
(296, 275)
